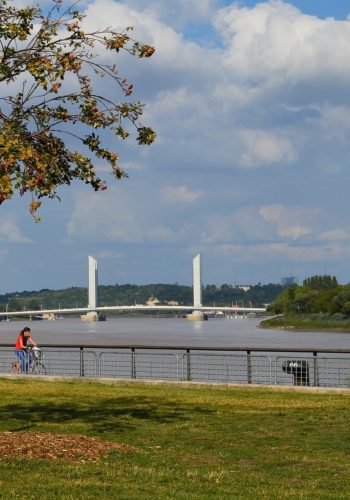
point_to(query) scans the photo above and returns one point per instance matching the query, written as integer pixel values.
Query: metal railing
(321, 368)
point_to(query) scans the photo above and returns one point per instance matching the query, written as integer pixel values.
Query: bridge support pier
(197, 316)
(90, 316)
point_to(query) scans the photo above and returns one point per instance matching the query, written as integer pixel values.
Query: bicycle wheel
(39, 369)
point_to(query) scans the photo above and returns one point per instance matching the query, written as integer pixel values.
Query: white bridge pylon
(93, 282)
(92, 314)
(197, 314)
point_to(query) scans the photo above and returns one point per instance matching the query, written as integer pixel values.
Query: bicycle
(36, 366)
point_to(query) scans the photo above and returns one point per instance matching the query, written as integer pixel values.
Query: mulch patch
(49, 446)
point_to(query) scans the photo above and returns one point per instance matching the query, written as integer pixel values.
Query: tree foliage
(319, 294)
(128, 294)
(324, 282)
(49, 69)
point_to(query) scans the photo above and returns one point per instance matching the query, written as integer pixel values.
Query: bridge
(92, 311)
(134, 308)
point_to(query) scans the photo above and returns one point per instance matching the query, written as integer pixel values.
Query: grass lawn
(192, 441)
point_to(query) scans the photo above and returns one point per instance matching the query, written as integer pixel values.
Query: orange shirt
(21, 342)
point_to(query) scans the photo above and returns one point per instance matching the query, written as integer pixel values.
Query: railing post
(27, 361)
(316, 377)
(133, 364)
(82, 368)
(98, 364)
(177, 367)
(249, 368)
(188, 365)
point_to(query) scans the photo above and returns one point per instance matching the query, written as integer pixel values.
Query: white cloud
(244, 225)
(95, 217)
(265, 148)
(11, 232)
(173, 52)
(200, 97)
(294, 232)
(253, 225)
(287, 214)
(334, 122)
(276, 43)
(170, 235)
(176, 12)
(339, 234)
(180, 194)
(124, 216)
(18, 4)
(290, 221)
(265, 252)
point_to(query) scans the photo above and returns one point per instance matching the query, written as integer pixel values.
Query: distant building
(152, 301)
(172, 302)
(289, 281)
(245, 288)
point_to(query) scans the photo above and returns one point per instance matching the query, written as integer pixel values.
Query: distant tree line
(321, 282)
(109, 295)
(318, 294)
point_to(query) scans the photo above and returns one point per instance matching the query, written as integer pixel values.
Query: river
(228, 333)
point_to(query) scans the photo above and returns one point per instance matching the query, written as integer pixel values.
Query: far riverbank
(308, 322)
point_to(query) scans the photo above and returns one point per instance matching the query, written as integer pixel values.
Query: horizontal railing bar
(191, 348)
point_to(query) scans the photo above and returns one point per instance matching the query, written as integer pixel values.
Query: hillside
(108, 295)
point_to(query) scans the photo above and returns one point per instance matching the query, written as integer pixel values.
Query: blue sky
(250, 101)
(339, 9)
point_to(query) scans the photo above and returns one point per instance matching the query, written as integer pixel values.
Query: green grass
(317, 322)
(194, 442)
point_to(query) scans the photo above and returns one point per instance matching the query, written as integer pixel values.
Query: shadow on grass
(108, 415)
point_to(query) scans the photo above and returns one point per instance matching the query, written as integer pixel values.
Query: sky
(251, 105)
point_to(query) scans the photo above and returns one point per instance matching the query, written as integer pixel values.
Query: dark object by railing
(299, 369)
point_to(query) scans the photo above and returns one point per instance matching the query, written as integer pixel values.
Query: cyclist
(23, 341)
